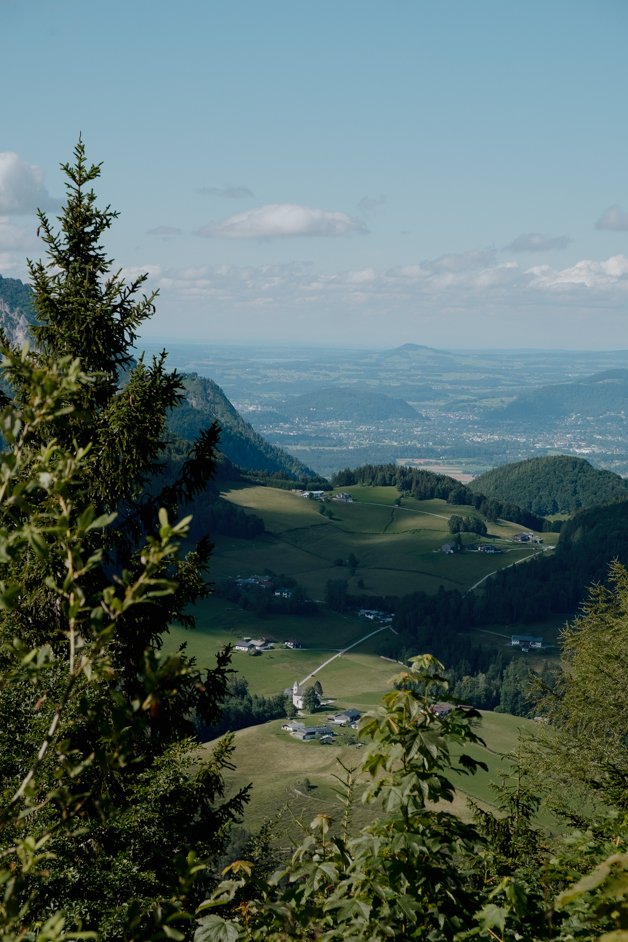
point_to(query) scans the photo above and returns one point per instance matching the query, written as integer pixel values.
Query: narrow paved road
(344, 651)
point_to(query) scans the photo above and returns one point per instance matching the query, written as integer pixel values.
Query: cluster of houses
(257, 645)
(253, 645)
(449, 548)
(373, 614)
(324, 733)
(260, 582)
(322, 495)
(526, 642)
(263, 582)
(526, 538)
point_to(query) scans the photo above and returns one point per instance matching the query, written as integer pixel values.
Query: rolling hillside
(556, 484)
(396, 542)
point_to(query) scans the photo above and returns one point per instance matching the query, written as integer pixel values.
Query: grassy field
(398, 548)
(297, 780)
(398, 551)
(359, 674)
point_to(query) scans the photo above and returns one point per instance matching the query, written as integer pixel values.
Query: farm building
(311, 732)
(526, 641)
(346, 718)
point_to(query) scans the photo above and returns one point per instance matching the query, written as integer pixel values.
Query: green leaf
(215, 929)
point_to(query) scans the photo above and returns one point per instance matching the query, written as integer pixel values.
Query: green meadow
(397, 544)
(359, 673)
(293, 780)
(398, 548)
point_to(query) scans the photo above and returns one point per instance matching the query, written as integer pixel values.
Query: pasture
(398, 548)
(359, 674)
(293, 780)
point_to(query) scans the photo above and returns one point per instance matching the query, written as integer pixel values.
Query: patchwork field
(398, 548)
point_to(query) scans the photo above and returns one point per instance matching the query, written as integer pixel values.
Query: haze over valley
(460, 411)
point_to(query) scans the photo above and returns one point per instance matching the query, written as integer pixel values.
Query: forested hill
(426, 485)
(550, 485)
(243, 446)
(558, 584)
(592, 395)
(350, 403)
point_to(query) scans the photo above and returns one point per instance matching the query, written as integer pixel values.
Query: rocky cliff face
(16, 309)
(14, 323)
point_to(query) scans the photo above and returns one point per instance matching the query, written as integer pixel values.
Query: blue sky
(341, 172)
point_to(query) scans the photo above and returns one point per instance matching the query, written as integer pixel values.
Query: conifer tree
(116, 795)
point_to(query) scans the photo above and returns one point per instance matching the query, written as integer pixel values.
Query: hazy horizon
(450, 174)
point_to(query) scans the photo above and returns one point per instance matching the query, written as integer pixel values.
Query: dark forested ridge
(545, 586)
(204, 401)
(550, 485)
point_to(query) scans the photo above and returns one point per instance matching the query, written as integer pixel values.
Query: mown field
(293, 781)
(398, 552)
(398, 548)
(360, 673)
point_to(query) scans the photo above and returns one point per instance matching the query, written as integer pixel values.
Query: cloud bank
(281, 220)
(468, 280)
(22, 187)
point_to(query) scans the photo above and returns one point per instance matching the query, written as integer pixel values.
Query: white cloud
(492, 304)
(537, 242)
(611, 273)
(278, 220)
(17, 238)
(22, 187)
(613, 218)
(227, 192)
(428, 284)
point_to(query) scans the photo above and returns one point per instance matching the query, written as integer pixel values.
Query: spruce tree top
(84, 307)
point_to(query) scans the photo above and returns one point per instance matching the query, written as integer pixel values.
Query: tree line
(426, 485)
